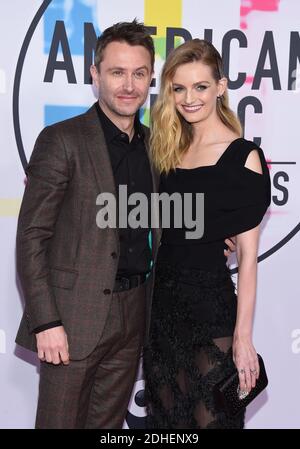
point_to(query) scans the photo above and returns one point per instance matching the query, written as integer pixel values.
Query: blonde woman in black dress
(200, 326)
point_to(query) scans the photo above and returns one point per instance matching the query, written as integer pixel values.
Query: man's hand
(52, 345)
(231, 243)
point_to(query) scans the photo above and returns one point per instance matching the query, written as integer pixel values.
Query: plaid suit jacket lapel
(99, 156)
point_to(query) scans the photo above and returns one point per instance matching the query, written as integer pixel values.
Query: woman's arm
(244, 353)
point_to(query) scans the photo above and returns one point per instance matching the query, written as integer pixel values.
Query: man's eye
(139, 74)
(117, 73)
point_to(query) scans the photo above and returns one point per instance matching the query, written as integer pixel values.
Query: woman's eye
(201, 87)
(177, 89)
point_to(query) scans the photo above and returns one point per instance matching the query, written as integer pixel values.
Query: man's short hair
(133, 33)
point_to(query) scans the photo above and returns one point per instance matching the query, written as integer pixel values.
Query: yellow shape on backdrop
(9, 207)
(163, 14)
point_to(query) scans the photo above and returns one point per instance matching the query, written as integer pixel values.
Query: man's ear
(94, 74)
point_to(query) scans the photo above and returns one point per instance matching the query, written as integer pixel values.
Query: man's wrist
(47, 326)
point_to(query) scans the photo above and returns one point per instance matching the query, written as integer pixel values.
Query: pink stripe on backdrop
(256, 5)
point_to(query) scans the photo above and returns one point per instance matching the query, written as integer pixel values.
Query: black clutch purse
(226, 392)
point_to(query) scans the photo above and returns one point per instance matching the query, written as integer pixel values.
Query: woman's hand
(231, 246)
(246, 362)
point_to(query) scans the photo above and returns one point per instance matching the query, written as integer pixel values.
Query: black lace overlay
(189, 348)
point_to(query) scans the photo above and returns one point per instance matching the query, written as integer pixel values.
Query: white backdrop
(264, 43)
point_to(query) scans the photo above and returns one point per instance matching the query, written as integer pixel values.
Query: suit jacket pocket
(63, 278)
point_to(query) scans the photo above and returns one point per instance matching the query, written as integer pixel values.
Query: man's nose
(128, 83)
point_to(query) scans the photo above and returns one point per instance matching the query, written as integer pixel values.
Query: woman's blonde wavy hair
(171, 134)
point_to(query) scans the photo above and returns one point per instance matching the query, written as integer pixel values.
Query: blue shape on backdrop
(56, 113)
(74, 13)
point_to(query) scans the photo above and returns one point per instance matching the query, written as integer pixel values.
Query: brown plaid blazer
(64, 261)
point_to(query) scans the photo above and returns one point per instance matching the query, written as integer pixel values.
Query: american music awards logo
(52, 83)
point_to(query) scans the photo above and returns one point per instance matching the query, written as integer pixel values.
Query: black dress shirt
(130, 167)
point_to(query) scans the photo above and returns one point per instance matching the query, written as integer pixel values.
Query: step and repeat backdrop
(46, 50)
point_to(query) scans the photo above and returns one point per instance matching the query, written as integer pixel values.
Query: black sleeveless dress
(194, 301)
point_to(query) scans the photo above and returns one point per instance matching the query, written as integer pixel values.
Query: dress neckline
(218, 161)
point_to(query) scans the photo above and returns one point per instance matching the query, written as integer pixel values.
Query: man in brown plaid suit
(87, 289)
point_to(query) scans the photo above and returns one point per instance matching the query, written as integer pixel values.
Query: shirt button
(132, 183)
(130, 250)
(114, 255)
(107, 291)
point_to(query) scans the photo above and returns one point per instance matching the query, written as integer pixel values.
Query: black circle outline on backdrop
(17, 80)
(275, 248)
(16, 120)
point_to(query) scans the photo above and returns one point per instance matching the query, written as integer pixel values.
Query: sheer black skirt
(189, 348)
